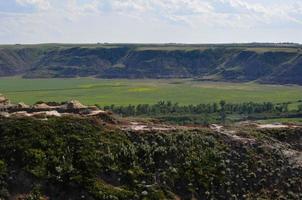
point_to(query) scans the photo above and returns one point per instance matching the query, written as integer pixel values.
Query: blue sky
(150, 21)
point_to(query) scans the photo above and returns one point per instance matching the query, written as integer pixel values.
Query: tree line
(222, 108)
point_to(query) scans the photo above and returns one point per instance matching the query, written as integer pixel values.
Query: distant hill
(269, 63)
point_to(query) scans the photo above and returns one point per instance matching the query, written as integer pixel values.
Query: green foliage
(201, 119)
(36, 162)
(222, 111)
(290, 136)
(203, 114)
(79, 159)
(3, 185)
(104, 191)
(169, 108)
(35, 194)
(2, 168)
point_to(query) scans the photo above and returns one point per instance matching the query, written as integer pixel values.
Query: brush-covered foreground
(85, 158)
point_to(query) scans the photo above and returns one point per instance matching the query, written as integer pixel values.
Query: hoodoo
(3, 100)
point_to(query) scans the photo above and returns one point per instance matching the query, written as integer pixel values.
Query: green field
(123, 92)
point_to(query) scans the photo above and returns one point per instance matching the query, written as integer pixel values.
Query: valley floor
(103, 92)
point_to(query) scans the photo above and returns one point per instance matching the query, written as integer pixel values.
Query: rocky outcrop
(42, 110)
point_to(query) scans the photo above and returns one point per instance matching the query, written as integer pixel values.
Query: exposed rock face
(269, 63)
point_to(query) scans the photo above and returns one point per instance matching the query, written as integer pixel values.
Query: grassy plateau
(139, 91)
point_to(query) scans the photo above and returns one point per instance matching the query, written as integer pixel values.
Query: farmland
(138, 91)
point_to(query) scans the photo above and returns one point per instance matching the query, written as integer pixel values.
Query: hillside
(67, 150)
(269, 63)
(87, 158)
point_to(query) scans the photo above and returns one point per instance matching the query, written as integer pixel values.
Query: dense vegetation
(168, 107)
(274, 63)
(206, 113)
(74, 158)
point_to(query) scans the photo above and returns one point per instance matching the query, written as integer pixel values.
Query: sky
(150, 21)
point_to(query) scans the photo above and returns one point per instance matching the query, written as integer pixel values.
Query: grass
(123, 92)
(282, 120)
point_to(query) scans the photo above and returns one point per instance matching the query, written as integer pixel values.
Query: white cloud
(154, 21)
(41, 4)
(267, 13)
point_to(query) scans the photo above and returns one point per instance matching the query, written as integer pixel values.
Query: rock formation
(42, 107)
(22, 105)
(40, 110)
(3, 100)
(75, 105)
